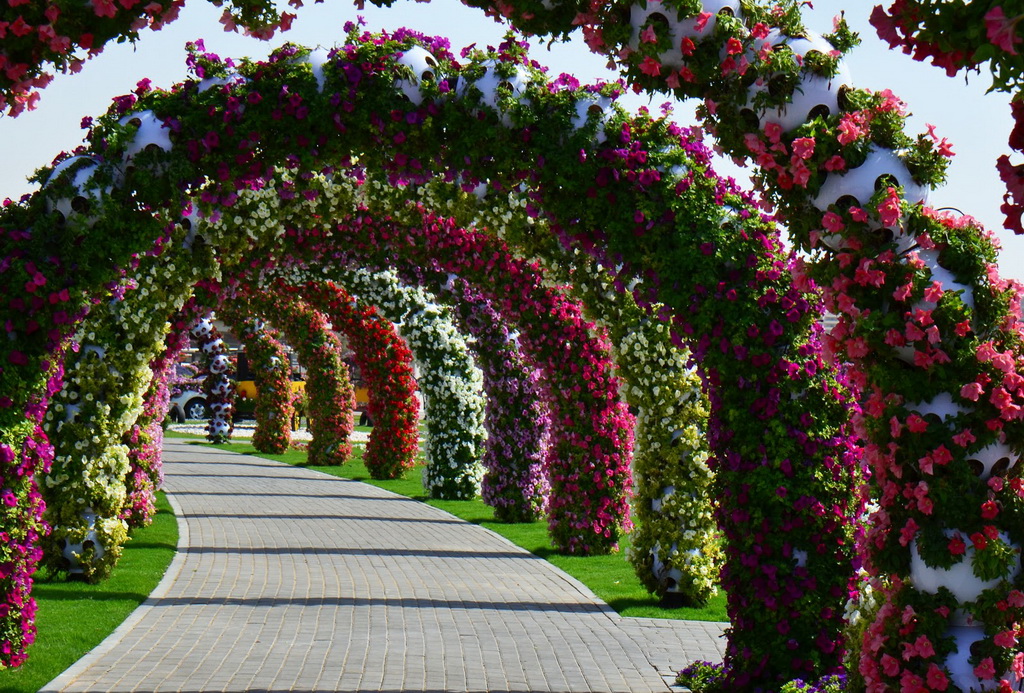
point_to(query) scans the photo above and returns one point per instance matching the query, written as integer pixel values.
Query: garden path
(291, 580)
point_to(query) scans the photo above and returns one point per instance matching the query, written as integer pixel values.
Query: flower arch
(674, 548)
(360, 83)
(448, 379)
(587, 466)
(269, 362)
(516, 415)
(330, 393)
(386, 364)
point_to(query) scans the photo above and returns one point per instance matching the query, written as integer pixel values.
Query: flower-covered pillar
(269, 362)
(145, 438)
(515, 415)
(328, 388)
(217, 383)
(107, 375)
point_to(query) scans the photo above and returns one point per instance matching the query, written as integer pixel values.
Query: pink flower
(803, 147)
(971, 391)
(936, 678)
(889, 208)
(836, 163)
(1006, 639)
(773, 131)
(651, 67)
(648, 35)
(1001, 31)
(908, 532)
(701, 21)
(986, 669)
(956, 545)
(890, 665)
(832, 222)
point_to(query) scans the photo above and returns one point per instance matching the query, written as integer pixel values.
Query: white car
(188, 405)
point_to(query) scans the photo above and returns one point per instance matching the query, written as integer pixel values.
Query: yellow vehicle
(245, 387)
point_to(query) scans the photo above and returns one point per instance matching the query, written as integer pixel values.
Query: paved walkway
(290, 580)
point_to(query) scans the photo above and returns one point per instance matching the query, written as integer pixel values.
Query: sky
(978, 124)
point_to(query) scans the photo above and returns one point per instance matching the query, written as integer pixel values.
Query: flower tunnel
(641, 199)
(328, 386)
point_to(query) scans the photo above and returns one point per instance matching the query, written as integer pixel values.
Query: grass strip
(74, 617)
(610, 577)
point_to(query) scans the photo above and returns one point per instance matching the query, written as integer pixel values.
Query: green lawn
(74, 617)
(610, 577)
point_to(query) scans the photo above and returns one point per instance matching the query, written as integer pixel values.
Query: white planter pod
(233, 79)
(675, 172)
(861, 183)
(202, 328)
(945, 277)
(93, 349)
(593, 105)
(424, 69)
(489, 84)
(678, 28)
(996, 459)
(150, 133)
(214, 346)
(220, 364)
(814, 94)
(960, 669)
(960, 579)
(941, 405)
(219, 428)
(71, 552)
(190, 222)
(668, 577)
(218, 410)
(316, 59)
(221, 388)
(666, 493)
(81, 201)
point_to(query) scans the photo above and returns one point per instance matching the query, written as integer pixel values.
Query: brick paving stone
(290, 580)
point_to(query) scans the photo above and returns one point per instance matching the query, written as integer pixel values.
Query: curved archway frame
(552, 112)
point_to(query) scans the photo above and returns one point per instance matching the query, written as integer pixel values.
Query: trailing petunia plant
(516, 416)
(40, 36)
